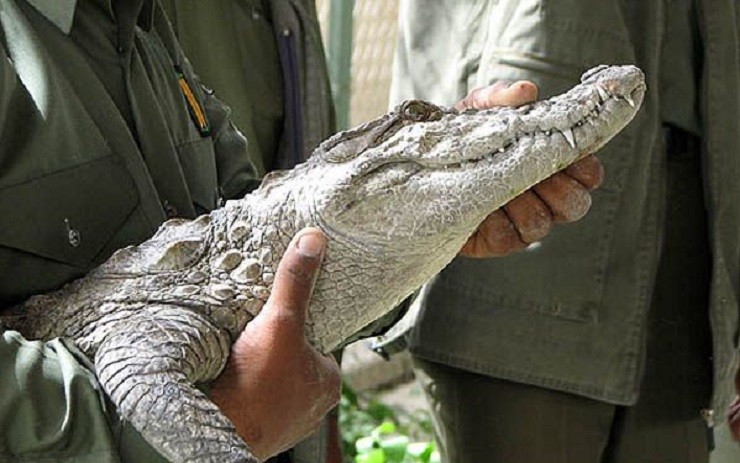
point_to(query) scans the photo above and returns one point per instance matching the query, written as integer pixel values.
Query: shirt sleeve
(236, 171)
(53, 409)
(51, 406)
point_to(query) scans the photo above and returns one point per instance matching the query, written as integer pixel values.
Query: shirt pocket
(56, 227)
(552, 43)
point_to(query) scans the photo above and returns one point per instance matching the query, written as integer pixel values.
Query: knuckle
(300, 273)
(589, 172)
(287, 312)
(531, 217)
(332, 390)
(577, 204)
(538, 227)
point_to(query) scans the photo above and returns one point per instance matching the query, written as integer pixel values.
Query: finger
(734, 418)
(294, 280)
(496, 236)
(589, 172)
(530, 216)
(567, 198)
(472, 99)
(500, 94)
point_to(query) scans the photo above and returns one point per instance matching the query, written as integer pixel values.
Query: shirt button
(74, 237)
(170, 210)
(120, 49)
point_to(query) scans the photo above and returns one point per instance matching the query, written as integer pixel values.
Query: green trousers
(483, 419)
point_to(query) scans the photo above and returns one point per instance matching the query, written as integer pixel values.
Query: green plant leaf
(375, 456)
(421, 451)
(386, 427)
(366, 444)
(394, 448)
(349, 394)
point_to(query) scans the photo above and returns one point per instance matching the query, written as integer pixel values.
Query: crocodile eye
(417, 110)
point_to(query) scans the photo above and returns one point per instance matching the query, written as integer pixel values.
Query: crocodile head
(404, 192)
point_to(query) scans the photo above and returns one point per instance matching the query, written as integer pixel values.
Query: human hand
(276, 388)
(734, 414)
(563, 197)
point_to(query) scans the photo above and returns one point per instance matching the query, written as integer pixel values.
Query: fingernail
(310, 244)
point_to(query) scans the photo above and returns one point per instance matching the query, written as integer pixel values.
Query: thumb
(294, 281)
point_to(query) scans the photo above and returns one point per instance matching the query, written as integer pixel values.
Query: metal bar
(339, 53)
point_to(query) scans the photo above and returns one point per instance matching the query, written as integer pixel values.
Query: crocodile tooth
(228, 260)
(629, 101)
(568, 134)
(603, 94)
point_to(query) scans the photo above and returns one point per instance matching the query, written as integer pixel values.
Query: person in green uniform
(105, 132)
(625, 349)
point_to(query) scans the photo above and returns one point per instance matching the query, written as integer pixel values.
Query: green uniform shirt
(265, 58)
(570, 314)
(680, 67)
(233, 46)
(105, 131)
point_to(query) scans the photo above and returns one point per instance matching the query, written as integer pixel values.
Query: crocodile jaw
(407, 205)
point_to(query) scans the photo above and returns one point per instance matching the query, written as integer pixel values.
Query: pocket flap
(69, 215)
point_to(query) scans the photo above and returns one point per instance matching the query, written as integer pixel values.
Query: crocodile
(397, 198)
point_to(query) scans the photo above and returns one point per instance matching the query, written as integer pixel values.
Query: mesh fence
(374, 42)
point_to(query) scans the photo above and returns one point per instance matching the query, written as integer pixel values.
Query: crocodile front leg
(149, 370)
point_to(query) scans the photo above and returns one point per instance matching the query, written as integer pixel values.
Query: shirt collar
(61, 12)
